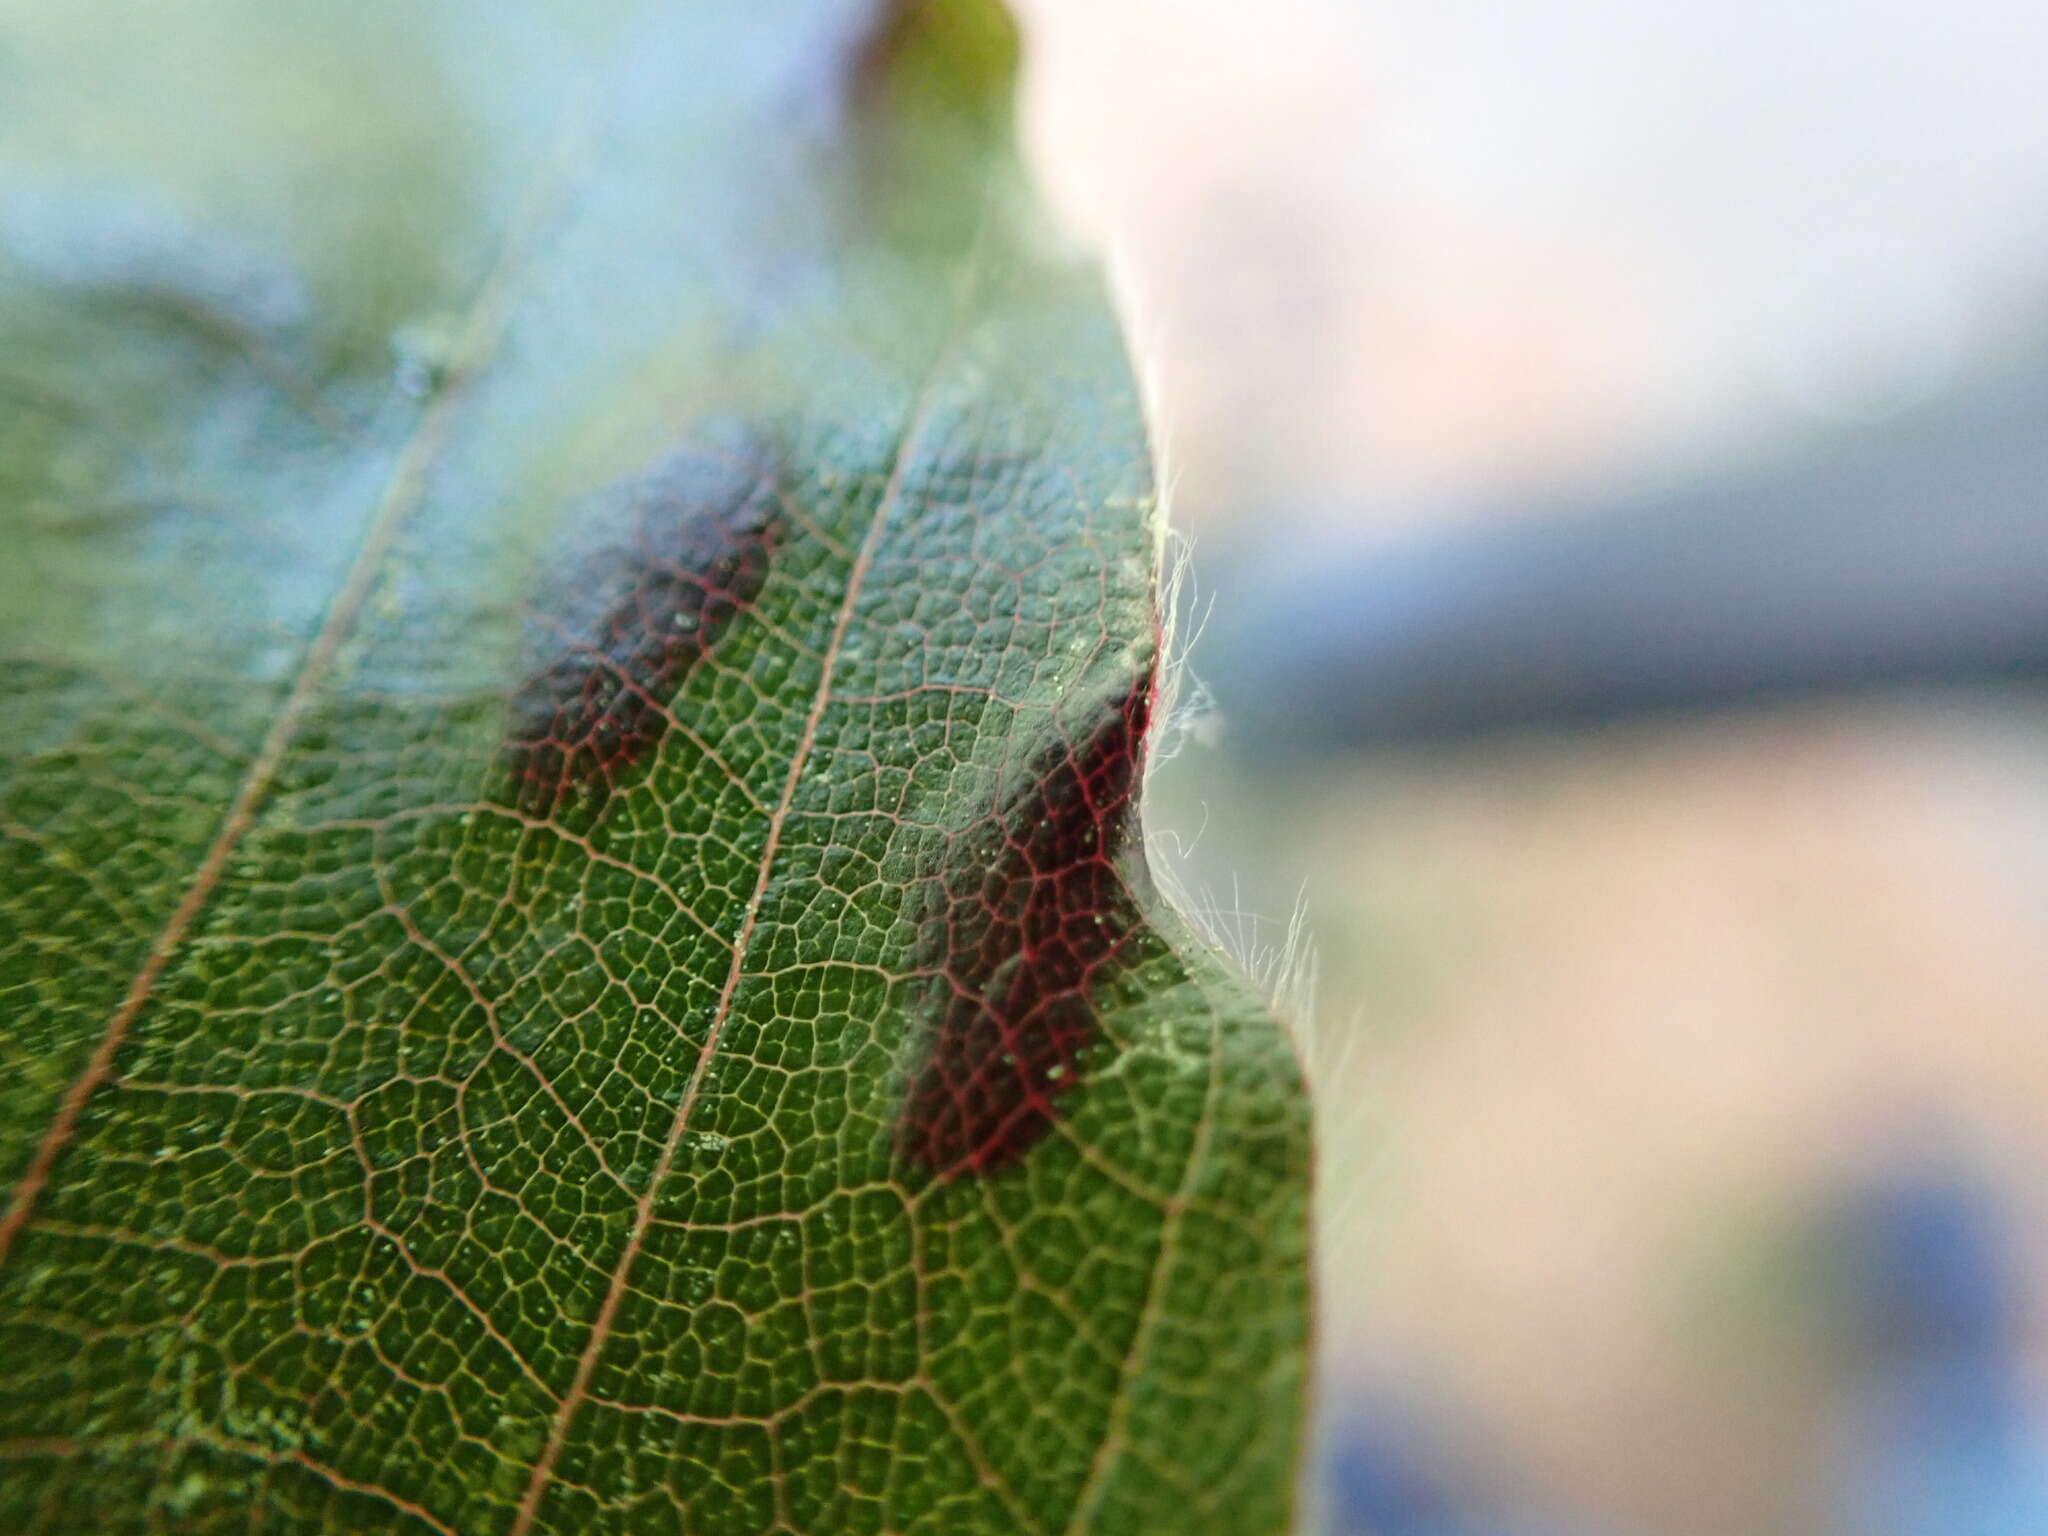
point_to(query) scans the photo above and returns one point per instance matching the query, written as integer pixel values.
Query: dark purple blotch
(630, 619)
(1030, 909)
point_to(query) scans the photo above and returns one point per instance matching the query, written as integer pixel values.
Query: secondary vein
(892, 491)
(479, 338)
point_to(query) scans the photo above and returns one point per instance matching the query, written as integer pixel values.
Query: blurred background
(1613, 440)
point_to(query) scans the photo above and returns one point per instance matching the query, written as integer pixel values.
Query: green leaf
(579, 627)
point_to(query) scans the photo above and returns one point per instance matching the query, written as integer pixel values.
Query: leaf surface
(575, 948)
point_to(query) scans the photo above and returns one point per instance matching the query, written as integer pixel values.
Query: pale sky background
(1420, 249)
(1603, 1018)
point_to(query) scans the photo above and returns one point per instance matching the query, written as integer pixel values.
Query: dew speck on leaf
(1030, 908)
(631, 620)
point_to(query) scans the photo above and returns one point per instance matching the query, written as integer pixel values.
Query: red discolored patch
(1030, 910)
(636, 617)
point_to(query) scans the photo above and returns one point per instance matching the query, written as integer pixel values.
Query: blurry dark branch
(1914, 554)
